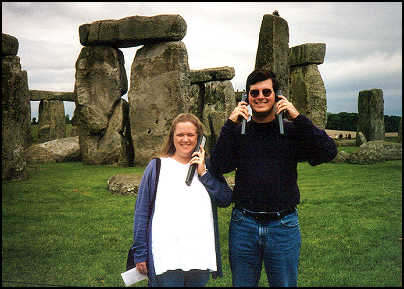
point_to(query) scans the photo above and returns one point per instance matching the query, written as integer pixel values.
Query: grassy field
(63, 227)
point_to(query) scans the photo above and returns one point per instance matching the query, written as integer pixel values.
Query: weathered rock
(371, 114)
(58, 150)
(376, 151)
(37, 95)
(212, 74)
(341, 157)
(51, 124)
(360, 139)
(197, 94)
(307, 93)
(400, 132)
(100, 83)
(133, 31)
(273, 49)
(9, 45)
(111, 147)
(308, 53)
(219, 103)
(159, 91)
(16, 118)
(124, 184)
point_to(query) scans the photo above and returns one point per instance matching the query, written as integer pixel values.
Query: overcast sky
(363, 41)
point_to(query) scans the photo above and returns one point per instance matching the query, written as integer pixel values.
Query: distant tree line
(349, 120)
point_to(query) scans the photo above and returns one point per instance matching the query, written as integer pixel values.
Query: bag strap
(130, 262)
(158, 165)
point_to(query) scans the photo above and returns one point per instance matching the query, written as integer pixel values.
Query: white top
(182, 228)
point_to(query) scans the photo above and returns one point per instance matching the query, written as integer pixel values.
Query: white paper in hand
(132, 276)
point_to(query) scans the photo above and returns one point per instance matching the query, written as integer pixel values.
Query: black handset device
(243, 121)
(279, 115)
(192, 168)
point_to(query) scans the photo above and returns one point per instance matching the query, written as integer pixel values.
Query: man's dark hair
(261, 75)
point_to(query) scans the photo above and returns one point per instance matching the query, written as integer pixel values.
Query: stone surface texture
(51, 120)
(133, 31)
(58, 150)
(16, 118)
(100, 110)
(371, 114)
(273, 49)
(159, 91)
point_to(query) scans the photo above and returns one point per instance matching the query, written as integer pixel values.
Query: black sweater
(266, 162)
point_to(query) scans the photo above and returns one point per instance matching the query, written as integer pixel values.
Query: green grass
(63, 227)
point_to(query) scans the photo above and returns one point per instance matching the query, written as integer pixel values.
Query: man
(264, 225)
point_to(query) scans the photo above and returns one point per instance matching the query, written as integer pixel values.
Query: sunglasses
(265, 92)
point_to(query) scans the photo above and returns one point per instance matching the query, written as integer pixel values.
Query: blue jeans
(179, 278)
(276, 243)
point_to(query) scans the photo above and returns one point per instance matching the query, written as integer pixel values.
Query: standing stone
(307, 93)
(159, 91)
(100, 83)
(400, 132)
(371, 114)
(306, 89)
(273, 49)
(9, 45)
(16, 113)
(51, 124)
(219, 103)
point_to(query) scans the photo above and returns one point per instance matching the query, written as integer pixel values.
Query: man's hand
(241, 110)
(141, 267)
(284, 105)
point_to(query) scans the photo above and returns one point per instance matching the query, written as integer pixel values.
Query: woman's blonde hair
(168, 148)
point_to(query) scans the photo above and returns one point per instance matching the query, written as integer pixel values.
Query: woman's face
(185, 138)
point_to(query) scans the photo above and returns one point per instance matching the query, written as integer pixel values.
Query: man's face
(262, 105)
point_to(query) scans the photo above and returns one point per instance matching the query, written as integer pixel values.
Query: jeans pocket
(290, 221)
(236, 216)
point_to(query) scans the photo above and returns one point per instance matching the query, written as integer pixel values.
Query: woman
(176, 238)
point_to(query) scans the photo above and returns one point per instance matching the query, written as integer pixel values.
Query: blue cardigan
(220, 195)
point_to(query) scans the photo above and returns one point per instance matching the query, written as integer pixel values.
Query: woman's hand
(141, 267)
(199, 158)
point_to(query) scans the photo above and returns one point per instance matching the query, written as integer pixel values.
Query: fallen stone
(376, 151)
(133, 31)
(308, 53)
(9, 45)
(341, 157)
(124, 184)
(58, 150)
(360, 139)
(212, 74)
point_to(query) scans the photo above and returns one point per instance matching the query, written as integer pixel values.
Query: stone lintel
(305, 54)
(212, 74)
(133, 31)
(36, 95)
